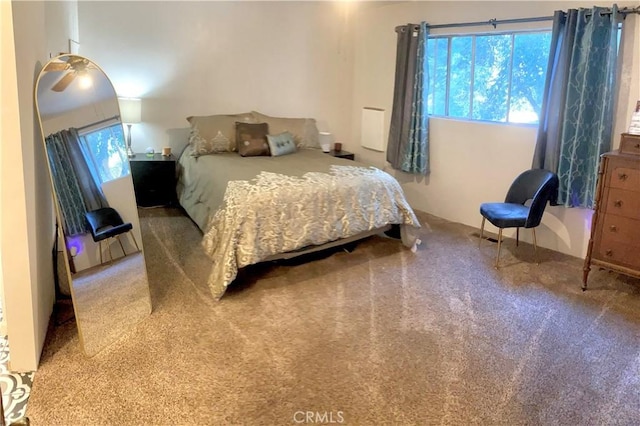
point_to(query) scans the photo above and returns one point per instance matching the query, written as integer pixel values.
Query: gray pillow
(281, 144)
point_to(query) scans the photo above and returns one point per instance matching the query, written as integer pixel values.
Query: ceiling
(51, 103)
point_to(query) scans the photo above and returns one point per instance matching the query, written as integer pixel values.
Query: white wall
(61, 24)
(471, 162)
(28, 304)
(199, 58)
(27, 214)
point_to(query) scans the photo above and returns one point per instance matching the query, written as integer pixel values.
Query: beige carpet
(109, 299)
(376, 336)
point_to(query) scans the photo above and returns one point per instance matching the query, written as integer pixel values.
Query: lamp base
(130, 152)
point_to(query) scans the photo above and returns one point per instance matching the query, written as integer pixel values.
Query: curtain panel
(408, 144)
(75, 188)
(88, 176)
(577, 111)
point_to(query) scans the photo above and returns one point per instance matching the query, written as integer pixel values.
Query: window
(488, 77)
(107, 152)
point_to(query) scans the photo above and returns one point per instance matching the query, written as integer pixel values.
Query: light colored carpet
(109, 299)
(376, 336)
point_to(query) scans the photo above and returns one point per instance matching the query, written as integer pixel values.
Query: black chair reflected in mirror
(537, 185)
(105, 223)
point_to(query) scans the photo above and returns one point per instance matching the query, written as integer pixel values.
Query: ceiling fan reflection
(76, 67)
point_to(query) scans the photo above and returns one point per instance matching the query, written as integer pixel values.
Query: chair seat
(111, 231)
(505, 215)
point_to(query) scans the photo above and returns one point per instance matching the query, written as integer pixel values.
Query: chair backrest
(102, 218)
(538, 185)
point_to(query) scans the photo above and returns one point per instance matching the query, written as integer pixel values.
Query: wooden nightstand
(154, 179)
(342, 154)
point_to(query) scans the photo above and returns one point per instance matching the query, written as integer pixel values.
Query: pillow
(215, 133)
(281, 144)
(304, 130)
(251, 139)
(201, 146)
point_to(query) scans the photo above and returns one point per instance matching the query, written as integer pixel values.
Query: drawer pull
(622, 176)
(637, 145)
(613, 228)
(609, 252)
(617, 203)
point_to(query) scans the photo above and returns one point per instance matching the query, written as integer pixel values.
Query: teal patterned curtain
(408, 146)
(416, 155)
(65, 161)
(577, 112)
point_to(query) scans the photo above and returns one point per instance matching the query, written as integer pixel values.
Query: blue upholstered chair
(106, 223)
(537, 185)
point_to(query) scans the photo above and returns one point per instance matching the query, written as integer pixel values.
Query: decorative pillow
(251, 139)
(215, 133)
(281, 144)
(304, 130)
(201, 146)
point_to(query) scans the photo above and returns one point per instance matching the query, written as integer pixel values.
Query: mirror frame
(61, 234)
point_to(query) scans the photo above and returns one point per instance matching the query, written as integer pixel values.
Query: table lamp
(130, 113)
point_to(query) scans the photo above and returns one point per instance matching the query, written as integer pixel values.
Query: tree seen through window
(488, 77)
(107, 148)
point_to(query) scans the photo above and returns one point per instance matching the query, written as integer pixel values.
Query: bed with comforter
(252, 209)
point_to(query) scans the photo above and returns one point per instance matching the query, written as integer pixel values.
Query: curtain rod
(115, 117)
(625, 11)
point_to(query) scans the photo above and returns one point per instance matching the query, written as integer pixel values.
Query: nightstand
(154, 179)
(342, 154)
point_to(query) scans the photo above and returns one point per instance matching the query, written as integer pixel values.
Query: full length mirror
(94, 199)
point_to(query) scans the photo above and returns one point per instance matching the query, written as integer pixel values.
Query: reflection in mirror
(93, 195)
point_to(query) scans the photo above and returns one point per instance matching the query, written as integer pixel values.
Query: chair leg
(535, 246)
(110, 254)
(517, 237)
(100, 250)
(499, 246)
(121, 246)
(134, 241)
(481, 230)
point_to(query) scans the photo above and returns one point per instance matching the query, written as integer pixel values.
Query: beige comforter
(250, 208)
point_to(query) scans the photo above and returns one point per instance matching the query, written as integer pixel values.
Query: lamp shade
(325, 141)
(130, 110)
(325, 137)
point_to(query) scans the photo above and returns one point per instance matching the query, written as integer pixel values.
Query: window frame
(92, 158)
(449, 36)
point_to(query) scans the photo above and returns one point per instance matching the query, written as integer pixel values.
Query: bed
(258, 208)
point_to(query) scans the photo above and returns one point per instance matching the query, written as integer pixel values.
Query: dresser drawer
(617, 252)
(615, 232)
(630, 144)
(622, 203)
(624, 177)
(621, 229)
(153, 174)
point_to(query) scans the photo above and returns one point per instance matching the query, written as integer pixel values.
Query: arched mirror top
(73, 91)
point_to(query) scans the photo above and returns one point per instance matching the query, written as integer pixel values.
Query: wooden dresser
(615, 231)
